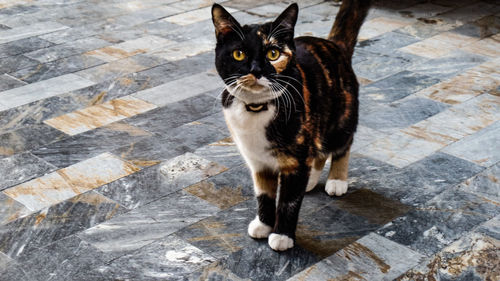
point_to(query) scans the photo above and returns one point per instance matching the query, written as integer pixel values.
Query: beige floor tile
(379, 26)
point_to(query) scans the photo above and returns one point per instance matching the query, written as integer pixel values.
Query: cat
(289, 104)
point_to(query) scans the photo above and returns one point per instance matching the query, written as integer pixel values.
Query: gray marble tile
(29, 31)
(67, 259)
(170, 258)
(175, 114)
(86, 145)
(485, 184)
(8, 82)
(11, 210)
(69, 49)
(41, 90)
(15, 63)
(115, 69)
(440, 221)
(381, 66)
(394, 87)
(448, 66)
(473, 257)
(415, 184)
(23, 46)
(480, 148)
(56, 68)
(371, 258)
(19, 168)
(385, 43)
(481, 28)
(23, 236)
(491, 228)
(28, 138)
(400, 114)
(223, 152)
(214, 271)
(226, 189)
(141, 226)
(157, 181)
(10, 270)
(170, 143)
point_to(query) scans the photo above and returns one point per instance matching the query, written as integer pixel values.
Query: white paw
(258, 229)
(279, 242)
(336, 187)
(313, 179)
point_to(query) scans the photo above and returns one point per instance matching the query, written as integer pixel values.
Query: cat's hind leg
(317, 168)
(337, 178)
(265, 186)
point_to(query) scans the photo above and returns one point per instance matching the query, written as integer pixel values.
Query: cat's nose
(256, 70)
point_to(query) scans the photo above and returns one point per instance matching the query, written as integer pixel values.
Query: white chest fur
(249, 133)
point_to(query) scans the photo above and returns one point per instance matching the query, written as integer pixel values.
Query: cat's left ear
(288, 18)
(223, 21)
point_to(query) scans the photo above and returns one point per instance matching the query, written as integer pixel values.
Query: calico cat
(289, 104)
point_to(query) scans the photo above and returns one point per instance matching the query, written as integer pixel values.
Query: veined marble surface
(116, 162)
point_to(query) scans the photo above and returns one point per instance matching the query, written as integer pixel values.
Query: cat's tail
(346, 27)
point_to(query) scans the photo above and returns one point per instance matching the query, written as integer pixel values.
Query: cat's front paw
(280, 242)
(258, 229)
(336, 187)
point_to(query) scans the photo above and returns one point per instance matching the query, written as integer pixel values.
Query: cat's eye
(239, 55)
(273, 54)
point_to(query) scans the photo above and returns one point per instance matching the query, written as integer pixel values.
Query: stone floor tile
(372, 258)
(174, 114)
(491, 228)
(8, 82)
(190, 86)
(11, 210)
(480, 148)
(21, 237)
(22, 167)
(10, 270)
(18, 33)
(486, 184)
(68, 182)
(77, 148)
(99, 115)
(22, 46)
(385, 43)
(382, 66)
(69, 49)
(157, 181)
(56, 68)
(185, 49)
(364, 136)
(15, 63)
(449, 65)
(439, 45)
(193, 16)
(464, 86)
(41, 90)
(192, 4)
(487, 47)
(226, 189)
(394, 87)
(223, 152)
(400, 149)
(400, 114)
(69, 258)
(474, 257)
(458, 121)
(480, 28)
(129, 48)
(118, 68)
(142, 226)
(378, 26)
(169, 258)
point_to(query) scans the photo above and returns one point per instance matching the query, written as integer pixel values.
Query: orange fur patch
(267, 182)
(288, 164)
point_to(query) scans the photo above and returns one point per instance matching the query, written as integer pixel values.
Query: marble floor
(116, 164)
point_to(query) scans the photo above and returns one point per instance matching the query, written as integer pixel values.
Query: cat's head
(252, 59)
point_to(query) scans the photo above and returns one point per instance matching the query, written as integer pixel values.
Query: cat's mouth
(251, 89)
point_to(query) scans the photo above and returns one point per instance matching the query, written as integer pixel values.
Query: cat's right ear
(223, 21)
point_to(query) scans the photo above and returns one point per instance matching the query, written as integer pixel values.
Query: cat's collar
(256, 107)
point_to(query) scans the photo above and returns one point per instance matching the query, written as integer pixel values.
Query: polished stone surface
(116, 163)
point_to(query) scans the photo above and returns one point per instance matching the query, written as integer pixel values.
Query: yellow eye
(273, 54)
(238, 55)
